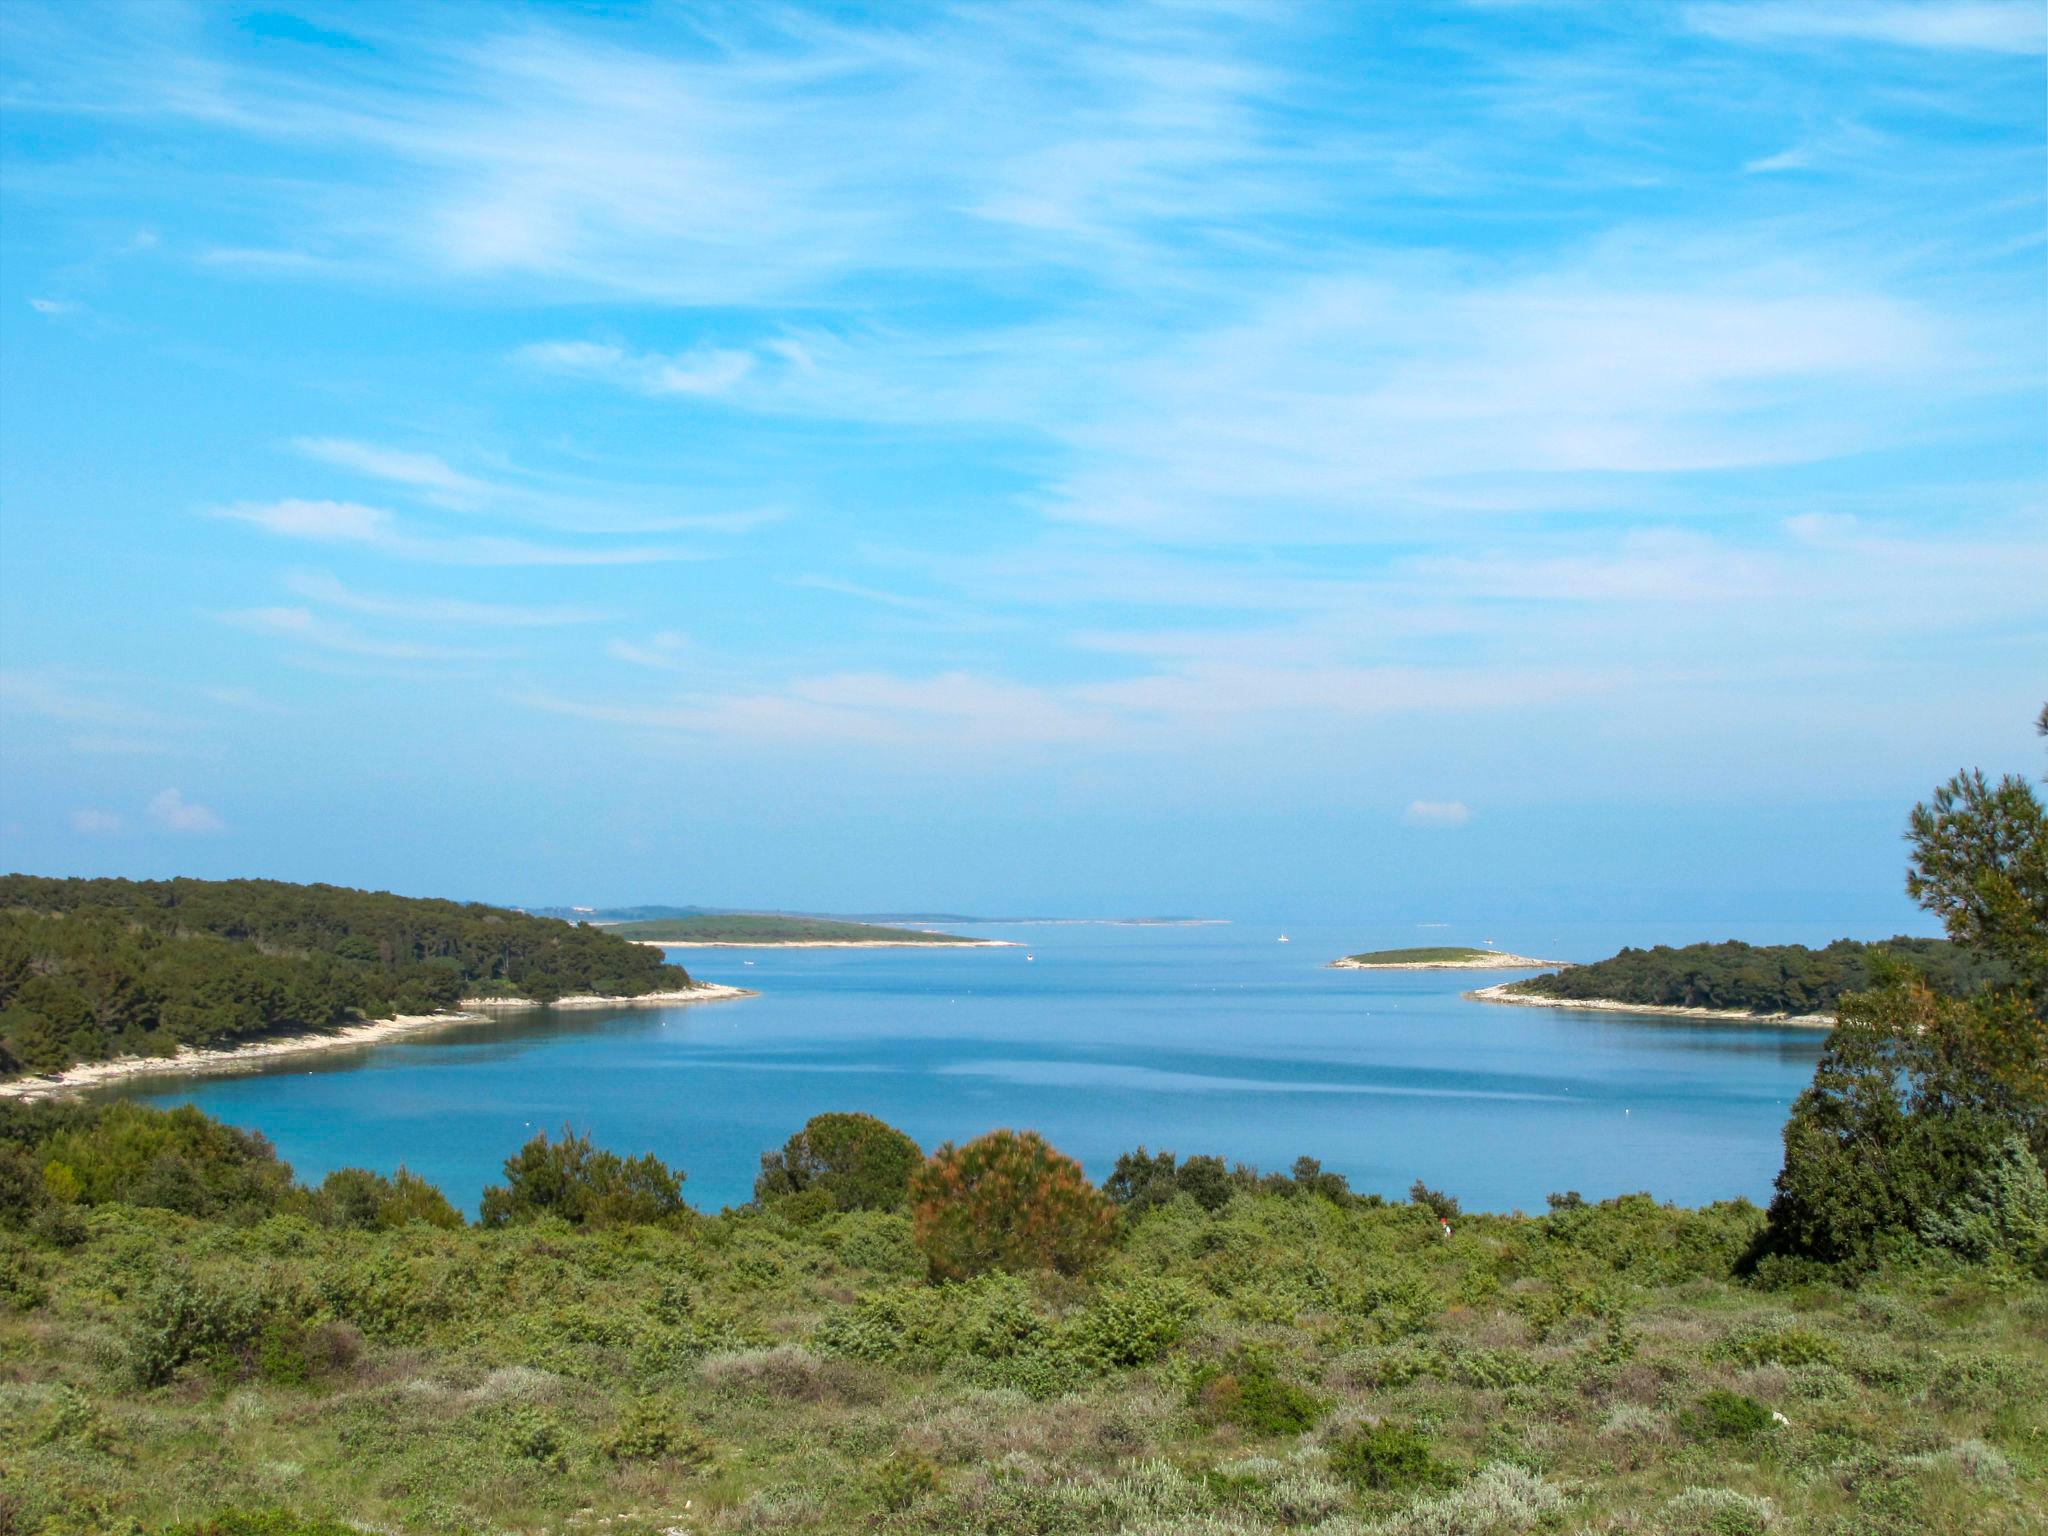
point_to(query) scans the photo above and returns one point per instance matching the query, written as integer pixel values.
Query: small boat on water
(1284, 939)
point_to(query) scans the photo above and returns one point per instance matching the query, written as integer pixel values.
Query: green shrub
(650, 1430)
(364, 1201)
(1133, 1325)
(1144, 1179)
(1435, 1201)
(582, 1185)
(903, 1479)
(532, 1434)
(1249, 1392)
(1725, 1415)
(841, 1162)
(1386, 1456)
(1792, 1346)
(1007, 1201)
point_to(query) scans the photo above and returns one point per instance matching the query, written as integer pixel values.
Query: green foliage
(1761, 978)
(1144, 1179)
(1007, 1201)
(903, 1479)
(176, 1159)
(845, 1162)
(651, 1430)
(2000, 1213)
(91, 969)
(1908, 1132)
(1725, 1415)
(1435, 1201)
(1387, 1456)
(548, 1376)
(369, 1202)
(1133, 1325)
(583, 1185)
(1248, 1390)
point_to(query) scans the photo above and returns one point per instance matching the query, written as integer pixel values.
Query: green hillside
(195, 1342)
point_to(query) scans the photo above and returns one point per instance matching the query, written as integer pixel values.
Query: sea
(1214, 1038)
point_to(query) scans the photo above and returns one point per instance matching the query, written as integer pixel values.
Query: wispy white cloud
(704, 371)
(170, 810)
(95, 823)
(421, 471)
(352, 523)
(303, 626)
(1993, 26)
(1437, 813)
(435, 608)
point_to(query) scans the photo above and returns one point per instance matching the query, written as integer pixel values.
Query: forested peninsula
(1782, 981)
(92, 970)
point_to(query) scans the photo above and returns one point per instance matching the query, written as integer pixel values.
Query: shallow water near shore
(1199, 1039)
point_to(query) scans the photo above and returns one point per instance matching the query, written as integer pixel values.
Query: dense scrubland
(1762, 978)
(980, 1340)
(93, 969)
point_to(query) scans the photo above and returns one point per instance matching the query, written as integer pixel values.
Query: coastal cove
(1194, 1038)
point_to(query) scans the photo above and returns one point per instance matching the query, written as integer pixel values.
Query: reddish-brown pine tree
(1007, 1201)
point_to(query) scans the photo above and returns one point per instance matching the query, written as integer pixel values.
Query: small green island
(1440, 957)
(739, 930)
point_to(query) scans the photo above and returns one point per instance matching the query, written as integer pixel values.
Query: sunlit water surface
(1200, 1039)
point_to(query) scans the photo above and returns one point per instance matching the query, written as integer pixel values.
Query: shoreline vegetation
(1508, 992)
(1750, 983)
(100, 970)
(1442, 958)
(194, 1061)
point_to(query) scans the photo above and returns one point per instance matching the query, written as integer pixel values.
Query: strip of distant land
(760, 930)
(1442, 957)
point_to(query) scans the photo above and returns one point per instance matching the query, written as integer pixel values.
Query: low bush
(1725, 1415)
(650, 1430)
(1248, 1391)
(1386, 1456)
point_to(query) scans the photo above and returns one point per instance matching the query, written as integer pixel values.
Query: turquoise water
(1200, 1039)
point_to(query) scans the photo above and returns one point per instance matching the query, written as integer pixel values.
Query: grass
(1287, 1364)
(764, 928)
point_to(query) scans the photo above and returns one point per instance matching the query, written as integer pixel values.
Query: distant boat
(1283, 938)
(1031, 957)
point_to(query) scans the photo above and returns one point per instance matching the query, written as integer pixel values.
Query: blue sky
(1298, 461)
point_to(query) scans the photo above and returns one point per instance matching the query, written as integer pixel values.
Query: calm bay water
(1200, 1039)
